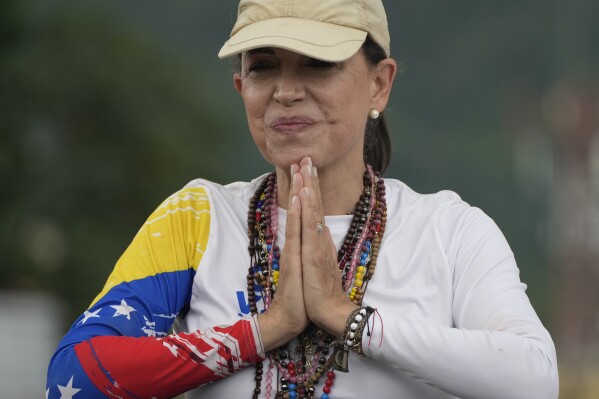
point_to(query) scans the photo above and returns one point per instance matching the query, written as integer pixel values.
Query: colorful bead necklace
(303, 362)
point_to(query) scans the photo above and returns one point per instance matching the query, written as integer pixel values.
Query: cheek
(346, 105)
(349, 91)
(254, 103)
(255, 97)
(349, 107)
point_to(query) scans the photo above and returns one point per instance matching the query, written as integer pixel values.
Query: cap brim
(320, 40)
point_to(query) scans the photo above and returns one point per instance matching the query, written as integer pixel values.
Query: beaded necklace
(301, 363)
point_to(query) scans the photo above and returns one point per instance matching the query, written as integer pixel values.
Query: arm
(498, 347)
(120, 346)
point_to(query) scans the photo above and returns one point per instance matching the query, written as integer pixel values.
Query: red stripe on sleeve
(95, 372)
(151, 367)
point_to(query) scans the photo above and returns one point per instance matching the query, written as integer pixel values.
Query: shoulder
(444, 211)
(225, 204)
(444, 221)
(404, 200)
(200, 200)
(236, 191)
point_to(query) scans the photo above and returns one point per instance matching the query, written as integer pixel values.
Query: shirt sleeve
(121, 347)
(497, 348)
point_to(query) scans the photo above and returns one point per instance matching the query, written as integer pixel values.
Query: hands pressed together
(309, 287)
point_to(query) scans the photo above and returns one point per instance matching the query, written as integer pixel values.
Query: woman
(353, 285)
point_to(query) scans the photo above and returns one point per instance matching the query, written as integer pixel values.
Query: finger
(334, 266)
(312, 224)
(293, 169)
(333, 252)
(306, 161)
(306, 167)
(293, 229)
(310, 175)
(316, 186)
(292, 251)
(296, 181)
(307, 170)
(312, 211)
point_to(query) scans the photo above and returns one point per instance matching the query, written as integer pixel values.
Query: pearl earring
(374, 114)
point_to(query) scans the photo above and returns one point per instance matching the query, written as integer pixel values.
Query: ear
(383, 76)
(237, 82)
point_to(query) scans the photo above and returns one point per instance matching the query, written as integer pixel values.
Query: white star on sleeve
(88, 315)
(68, 392)
(123, 310)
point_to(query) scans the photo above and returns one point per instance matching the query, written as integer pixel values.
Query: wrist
(333, 318)
(272, 332)
(351, 338)
(277, 328)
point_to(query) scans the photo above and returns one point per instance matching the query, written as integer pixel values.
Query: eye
(320, 64)
(259, 66)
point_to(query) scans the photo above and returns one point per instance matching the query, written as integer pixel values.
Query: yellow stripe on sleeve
(173, 238)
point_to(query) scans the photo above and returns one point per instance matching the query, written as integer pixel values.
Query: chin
(284, 161)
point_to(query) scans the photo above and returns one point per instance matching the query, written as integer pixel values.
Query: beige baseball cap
(329, 30)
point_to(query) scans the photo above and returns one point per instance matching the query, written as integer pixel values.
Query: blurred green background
(106, 108)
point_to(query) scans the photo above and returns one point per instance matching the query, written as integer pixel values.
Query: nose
(289, 88)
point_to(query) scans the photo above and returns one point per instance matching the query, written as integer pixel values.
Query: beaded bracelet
(356, 323)
(351, 319)
(351, 337)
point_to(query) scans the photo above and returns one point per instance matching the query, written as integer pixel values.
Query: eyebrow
(261, 50)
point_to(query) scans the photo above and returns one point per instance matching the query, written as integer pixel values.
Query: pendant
(341, 359)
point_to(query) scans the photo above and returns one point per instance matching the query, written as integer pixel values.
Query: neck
(340, 187)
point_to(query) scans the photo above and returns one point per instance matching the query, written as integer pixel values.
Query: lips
(291, 124)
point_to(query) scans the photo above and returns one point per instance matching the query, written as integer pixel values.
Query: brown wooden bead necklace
(301, 364)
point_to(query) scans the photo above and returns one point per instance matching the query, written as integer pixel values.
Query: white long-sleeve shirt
(453, 318)
(456, 319)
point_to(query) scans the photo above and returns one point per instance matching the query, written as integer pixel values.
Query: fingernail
(294, 180)
(305, 191)
(294, 200)
(315, 171)
(310, 166)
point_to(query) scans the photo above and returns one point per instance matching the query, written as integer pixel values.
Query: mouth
(292, 124)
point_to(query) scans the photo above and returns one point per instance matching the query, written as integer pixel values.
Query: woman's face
(299, 106)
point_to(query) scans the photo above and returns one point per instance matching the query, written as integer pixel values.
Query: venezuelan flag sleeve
(120, 347)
